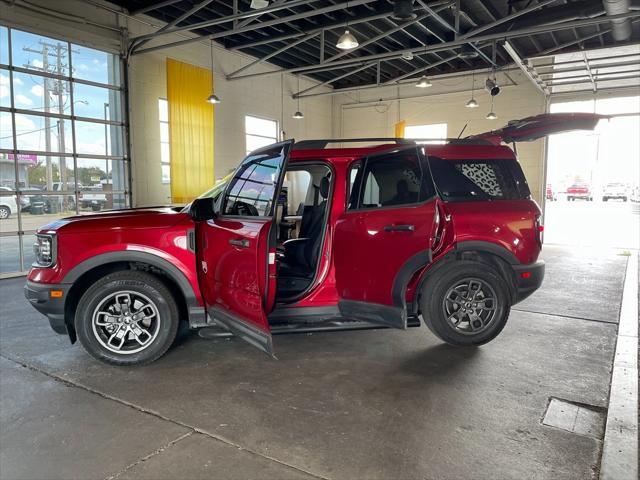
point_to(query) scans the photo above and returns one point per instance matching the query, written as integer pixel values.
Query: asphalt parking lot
(367, 404)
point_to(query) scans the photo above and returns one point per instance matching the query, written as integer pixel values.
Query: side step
(331, 326)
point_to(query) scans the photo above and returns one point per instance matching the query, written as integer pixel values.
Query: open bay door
(235, 251)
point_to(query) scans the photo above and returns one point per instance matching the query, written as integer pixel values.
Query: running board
(332, 326)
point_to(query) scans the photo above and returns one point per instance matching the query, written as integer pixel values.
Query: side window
(392, 180)
(352, 190)
(476, 180)
(252, 188)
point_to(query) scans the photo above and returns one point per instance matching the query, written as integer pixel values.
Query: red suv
(303, 237)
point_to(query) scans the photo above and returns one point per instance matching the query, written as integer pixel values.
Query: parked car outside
(618, 191)
(550, 194)
(391, 235)
(635, 194)
(8, 205)
(579, 191)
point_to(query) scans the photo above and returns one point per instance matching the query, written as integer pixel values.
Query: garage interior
(86, 92)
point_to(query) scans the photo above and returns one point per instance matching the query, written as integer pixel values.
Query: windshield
(213, 191)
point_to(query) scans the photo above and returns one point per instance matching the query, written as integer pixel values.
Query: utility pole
(59, 88)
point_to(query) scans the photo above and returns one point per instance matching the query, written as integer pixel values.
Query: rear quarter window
(468, 180)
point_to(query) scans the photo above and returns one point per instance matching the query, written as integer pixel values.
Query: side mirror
(202, 209)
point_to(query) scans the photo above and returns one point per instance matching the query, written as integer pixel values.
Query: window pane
(40, 52)
(166, 174)
(43, 134)
(253, 142)
(96, 102)
(165, 153)
(33, 92)
(98, 139)
(94, 65)
(96, 200)
(617, 105)
(394, 179)
(435, 130)
(164, 132)
(7, 171)
(261, 126)
(44, 208)
(39, 173)
(101, 174)
(4, 45)
(253, 186)
(163, 107)
(9, 253)
(9, 207)
(5, 89)
(6, 130)
(29, 256)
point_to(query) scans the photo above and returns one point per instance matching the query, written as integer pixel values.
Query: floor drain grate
(578, 418)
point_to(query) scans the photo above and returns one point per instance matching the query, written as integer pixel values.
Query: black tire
(137, 283)
(5, 212)
(624, 199)
(432, 302)
(604, 199)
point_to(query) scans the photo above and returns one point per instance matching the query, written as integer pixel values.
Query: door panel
(385, 236)
(236, 250)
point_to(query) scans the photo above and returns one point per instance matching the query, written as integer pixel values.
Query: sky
(29, 94)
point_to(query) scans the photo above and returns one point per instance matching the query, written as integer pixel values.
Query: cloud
(37, 63)
(37, 90)
(17, 81)
(23, 100)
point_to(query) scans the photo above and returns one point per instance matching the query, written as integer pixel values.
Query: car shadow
(441, 360)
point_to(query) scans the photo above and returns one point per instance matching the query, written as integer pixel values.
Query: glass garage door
(62, 138)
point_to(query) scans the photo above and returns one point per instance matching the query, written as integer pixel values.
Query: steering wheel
(244, 209)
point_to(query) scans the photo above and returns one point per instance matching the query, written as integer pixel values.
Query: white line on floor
(620, 450)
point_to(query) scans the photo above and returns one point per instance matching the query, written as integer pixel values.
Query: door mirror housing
(202, 209)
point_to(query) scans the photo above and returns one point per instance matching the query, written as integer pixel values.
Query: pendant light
(491, 115)
(424, 82)
(213, 98)
(347, 41)
(472, 103)
(298, 115)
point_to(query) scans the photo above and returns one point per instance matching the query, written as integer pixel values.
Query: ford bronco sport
(308, 237)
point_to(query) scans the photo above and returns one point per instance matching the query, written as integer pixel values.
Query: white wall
(364, 114)
(103, 28)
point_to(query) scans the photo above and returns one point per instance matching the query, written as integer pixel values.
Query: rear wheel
(466, 303)
(5, 212)
(127, 318)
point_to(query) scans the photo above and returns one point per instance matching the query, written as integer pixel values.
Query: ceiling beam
(532, 76)
(455, 43)
(340, 77)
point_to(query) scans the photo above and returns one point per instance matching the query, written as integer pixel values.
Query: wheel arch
(483, 252)
(83, 275)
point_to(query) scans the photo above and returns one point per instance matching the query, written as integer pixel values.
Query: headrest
(324, 187)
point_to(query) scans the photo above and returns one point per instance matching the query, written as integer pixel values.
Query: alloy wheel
(126, 322)
(470, 306)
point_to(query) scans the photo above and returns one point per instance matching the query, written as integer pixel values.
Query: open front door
(538, 126)
(236, 250)
(385, 235)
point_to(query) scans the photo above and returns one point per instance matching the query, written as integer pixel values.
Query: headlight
(45, 251)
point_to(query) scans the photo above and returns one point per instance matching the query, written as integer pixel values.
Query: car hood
(134, 218)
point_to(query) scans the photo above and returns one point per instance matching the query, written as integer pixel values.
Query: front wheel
(127, 318)
(5, 212)
(466, 303)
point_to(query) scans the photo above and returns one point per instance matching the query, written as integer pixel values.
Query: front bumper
(39, 295)
(528, 279)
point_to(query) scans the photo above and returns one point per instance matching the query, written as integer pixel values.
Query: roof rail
(321, 144)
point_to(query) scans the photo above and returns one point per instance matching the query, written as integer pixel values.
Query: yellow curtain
(190, 130)
(400, 128)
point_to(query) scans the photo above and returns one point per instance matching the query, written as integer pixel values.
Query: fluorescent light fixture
(424, 82)
(256, 4)
(347, 41)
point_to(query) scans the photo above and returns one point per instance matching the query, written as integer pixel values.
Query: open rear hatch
(538, 126)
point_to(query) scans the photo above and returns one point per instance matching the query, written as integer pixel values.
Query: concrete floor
(368, 404)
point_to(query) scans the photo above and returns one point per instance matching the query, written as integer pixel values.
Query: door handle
(399, 228)
(239, 242)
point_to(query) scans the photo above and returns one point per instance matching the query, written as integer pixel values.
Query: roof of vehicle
(449, 151)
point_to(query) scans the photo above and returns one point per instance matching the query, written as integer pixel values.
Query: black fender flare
(194, 309)
(408, 269)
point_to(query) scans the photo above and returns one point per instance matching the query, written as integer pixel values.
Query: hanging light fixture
(347, 41)
(491, 115)
(472, 102)
(213, 98)
(424, 82)
(298, 115)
